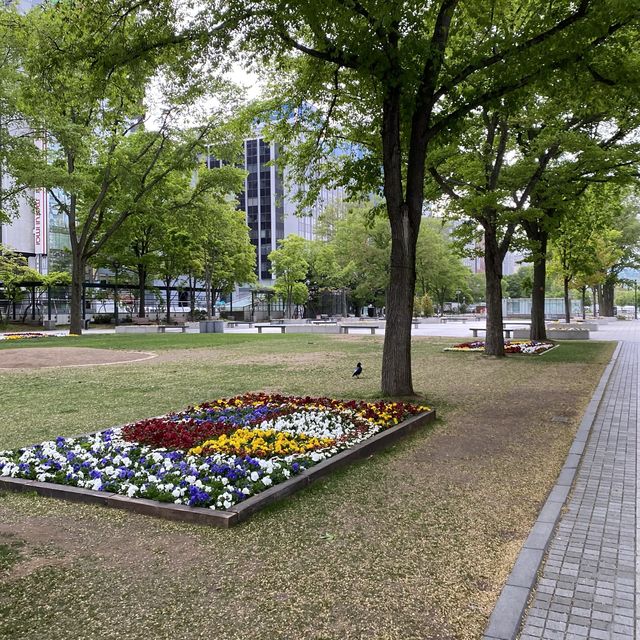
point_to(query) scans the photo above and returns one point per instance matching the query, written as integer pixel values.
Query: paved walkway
(586, 586)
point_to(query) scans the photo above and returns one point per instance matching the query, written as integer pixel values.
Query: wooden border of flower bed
(237, 513)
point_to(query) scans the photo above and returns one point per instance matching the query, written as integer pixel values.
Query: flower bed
(528, 347)
(213, 455)
(27, 335)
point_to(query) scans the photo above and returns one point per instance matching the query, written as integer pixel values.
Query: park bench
(475, 330)
(238, 323)
(344, 328)
(281, 327)
(163, 328)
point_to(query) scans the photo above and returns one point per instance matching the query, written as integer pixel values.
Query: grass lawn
(412, 543)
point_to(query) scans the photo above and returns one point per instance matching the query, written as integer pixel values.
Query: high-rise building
(269, 202)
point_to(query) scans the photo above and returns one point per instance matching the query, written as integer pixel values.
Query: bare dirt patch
(43, 357)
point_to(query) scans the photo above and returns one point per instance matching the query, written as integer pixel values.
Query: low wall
(567, 334)
(312, 328)
(137, 328)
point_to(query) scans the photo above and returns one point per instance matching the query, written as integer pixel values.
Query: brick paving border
(506, 620)
(239, 512)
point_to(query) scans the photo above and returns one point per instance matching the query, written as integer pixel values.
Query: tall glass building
(271, 210)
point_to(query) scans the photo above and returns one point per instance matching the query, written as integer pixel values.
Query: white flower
(255, 476)
(266, 481)
(176, 493)
(132, 490)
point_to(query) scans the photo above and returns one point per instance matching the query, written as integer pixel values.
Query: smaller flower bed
(27, 335)
(527, 347)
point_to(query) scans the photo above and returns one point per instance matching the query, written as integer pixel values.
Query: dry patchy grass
(412, 543)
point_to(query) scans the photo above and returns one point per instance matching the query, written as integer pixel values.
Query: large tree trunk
(608, 292)
(142, 286)
(396, 359)
(404, 218)
(494, 342)
(538, 327)
(77, 278)
(584, 302)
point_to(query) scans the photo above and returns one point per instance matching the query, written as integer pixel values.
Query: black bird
(357, 371)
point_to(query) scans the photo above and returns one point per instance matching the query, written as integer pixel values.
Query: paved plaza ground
(587, 584)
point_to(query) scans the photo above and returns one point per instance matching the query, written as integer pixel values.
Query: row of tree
(353, 254)
(504, 114)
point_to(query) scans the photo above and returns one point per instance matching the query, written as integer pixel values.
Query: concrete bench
(344, 328)
(474, 330)
(238, 323)
(280, 327)
(162, 328)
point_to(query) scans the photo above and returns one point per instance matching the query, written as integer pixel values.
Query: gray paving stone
(587, 584)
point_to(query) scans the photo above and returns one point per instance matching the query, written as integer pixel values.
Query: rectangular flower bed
(527, 347)
(216, 462)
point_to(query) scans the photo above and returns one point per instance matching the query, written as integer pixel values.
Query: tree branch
(470, 69)
(443, 184)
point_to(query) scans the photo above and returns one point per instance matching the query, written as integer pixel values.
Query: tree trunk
(142, 286)
(608, 292)
(567, 302)
(584, 302)
(494, 342)
(396, 357)
(538, 327)
(168, 295)
(77, 278)
(192, 297)
(594, 295)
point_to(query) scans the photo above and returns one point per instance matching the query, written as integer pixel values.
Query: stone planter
(567, 334)
(211, 326)
(589, 326)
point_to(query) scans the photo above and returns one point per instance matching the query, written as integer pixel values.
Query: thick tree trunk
(494, 342)
(142, 286)
(584, 303)
(608, 292)
(77, 278)
(396, 358)
(538, 327)
(567, 302)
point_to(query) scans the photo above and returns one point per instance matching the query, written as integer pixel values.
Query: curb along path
(586, 587)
